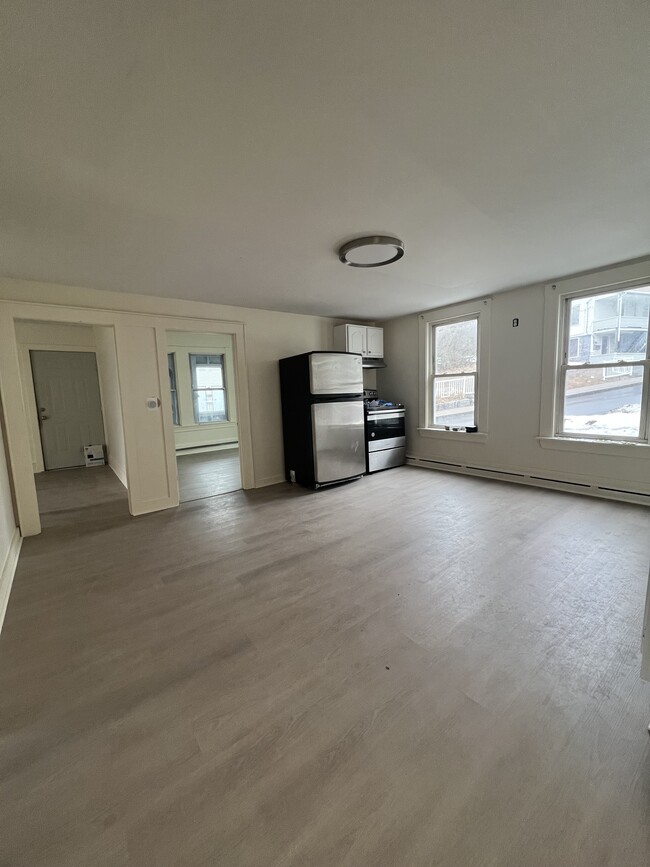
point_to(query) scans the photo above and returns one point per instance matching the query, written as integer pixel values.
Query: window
(208, 388)
(454, 361)
(171, 366)
(603, 393)
(454, 373)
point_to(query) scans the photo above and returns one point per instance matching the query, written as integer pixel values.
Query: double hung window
(454, 373)
(603, 383)
(208, 388)
(454, 370)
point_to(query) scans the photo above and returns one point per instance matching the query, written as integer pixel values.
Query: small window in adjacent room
(603, 384)
(171, 366)
(208, 389)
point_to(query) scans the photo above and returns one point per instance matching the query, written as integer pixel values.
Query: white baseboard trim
(534, 478)
(8, 572)
(269, 480)
(199, 450)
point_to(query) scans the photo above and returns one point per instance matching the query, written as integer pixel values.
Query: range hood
(372, 362)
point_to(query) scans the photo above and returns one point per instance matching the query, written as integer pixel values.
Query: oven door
(382, 425)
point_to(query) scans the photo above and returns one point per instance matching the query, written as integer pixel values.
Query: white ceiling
(222, 150)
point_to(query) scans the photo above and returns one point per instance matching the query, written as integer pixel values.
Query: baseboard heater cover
(563, 482)
(431, 461)
(499, 472)
(530, 478)
(207, 446)
(622, 491)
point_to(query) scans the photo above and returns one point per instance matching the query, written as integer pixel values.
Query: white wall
(515, 379)
(7, 520)
(109, 387)
(188, 434)
(9, 536)
(45, 336)
(268, 336)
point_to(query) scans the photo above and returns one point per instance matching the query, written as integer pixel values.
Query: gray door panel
(68, 404)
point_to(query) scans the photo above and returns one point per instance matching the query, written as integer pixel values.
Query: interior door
(339, 441)
(69, 406)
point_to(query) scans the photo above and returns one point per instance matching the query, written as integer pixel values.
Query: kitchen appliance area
(385, 433)
(333, 430)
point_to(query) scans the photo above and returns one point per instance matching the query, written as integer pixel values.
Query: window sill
(618, 448)
(201, 426)
(462, 436)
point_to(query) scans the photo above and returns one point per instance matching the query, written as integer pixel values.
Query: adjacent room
(325, 434)
(70, 390)
(204, 413)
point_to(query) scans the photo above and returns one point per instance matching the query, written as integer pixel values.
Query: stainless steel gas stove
(385, 434)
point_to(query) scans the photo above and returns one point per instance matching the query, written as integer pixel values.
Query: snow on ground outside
(623, 422)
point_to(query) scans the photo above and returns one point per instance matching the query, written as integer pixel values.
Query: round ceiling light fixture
(371, 252)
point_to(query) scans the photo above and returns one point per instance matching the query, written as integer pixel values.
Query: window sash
(564, 366)
(442, 376)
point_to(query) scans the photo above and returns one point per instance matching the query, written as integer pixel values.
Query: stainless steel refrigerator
(323, 418)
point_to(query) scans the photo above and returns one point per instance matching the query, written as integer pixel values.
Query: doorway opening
(71, 395)
(201, 370)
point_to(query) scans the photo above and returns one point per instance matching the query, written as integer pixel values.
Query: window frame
(478, 309)
(433, 376)
(194, 389)
(564, 366)
(176, 408)
(616, 279)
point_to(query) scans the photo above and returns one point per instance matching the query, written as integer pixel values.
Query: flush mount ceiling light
(371, 252)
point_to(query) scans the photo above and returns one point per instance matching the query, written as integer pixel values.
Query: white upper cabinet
(375, 342)
(355, 339)
(364, 339)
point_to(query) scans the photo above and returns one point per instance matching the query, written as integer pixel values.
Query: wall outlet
(292, 476)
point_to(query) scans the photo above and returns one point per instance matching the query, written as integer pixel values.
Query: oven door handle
(375, 416)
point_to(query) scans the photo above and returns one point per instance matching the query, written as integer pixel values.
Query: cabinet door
(356, 339)
(375, 342)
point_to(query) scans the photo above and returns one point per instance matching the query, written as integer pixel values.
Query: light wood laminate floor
(208, 474)
(414, 669)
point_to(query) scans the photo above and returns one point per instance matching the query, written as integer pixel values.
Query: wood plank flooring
(207, 474)
(414, 669)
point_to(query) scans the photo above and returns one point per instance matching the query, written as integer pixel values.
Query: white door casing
(148, 430)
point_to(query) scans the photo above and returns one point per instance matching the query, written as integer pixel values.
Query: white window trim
(480, 308)
(556, 295)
